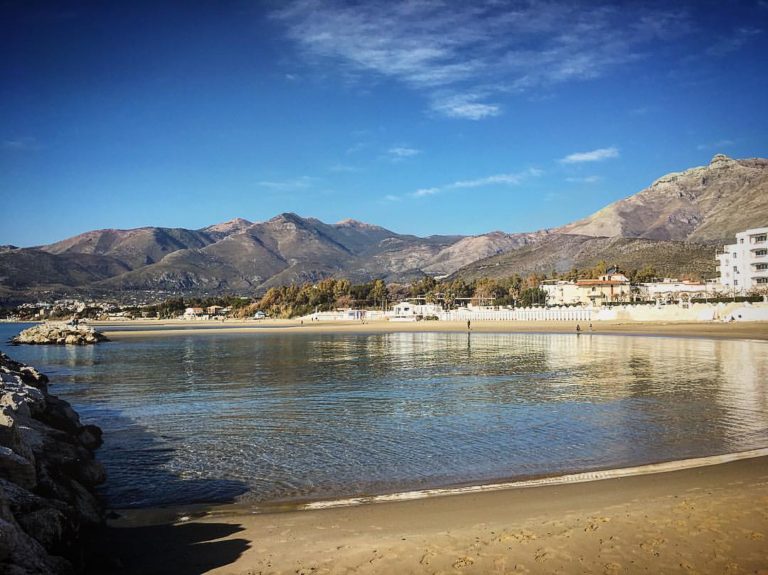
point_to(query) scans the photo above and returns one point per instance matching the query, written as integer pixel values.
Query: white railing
(521, 314)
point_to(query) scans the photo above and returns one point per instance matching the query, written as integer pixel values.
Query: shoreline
(754, 330)
(710, 519)
(170, 513)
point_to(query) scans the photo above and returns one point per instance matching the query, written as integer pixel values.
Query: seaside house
(608, 288)
(743, 266)
(217, 310)
(193, 313)
(561, 292)
(407, 311)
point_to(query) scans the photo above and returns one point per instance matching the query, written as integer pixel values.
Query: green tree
(533, 296)
(379, 293)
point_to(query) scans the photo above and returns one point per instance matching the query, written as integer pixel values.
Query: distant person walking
(578, 329)
(469, 325)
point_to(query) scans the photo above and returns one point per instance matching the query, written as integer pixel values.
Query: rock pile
(59, 333)
(47, 474)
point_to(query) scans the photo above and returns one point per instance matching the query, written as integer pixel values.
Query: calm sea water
(270, 417)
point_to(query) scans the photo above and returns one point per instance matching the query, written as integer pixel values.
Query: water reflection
(320, 415)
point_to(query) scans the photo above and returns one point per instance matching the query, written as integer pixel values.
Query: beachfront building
(671, 290)
(561, 292)
(193, 313)
(411, 311)
(743, 266)
(608, 288)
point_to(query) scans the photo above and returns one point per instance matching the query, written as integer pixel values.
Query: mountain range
(675, 225)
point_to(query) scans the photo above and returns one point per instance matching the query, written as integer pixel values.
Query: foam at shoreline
(192, 511)
(584, 477)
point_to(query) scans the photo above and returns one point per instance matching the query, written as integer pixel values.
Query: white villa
(744, 265)
(561, 292)
(193, 313)
(593, 292)
(411, 311)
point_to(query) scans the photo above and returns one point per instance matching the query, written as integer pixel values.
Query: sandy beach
(145, 328)
(710, 519)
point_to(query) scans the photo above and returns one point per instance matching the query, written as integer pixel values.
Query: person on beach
(578, 329)
(469, 325)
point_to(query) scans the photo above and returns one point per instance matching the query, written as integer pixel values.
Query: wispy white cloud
(402, 152)
(733, 42)
(716, 145)
(424, 192)
(465, 55)
(343, 169)
(510, 179)
(465, 106)
(584, 179)
(593, 156)
(499, 179)
(289, 185)
(392, 198)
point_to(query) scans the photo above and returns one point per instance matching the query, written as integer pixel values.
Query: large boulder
(59, 334)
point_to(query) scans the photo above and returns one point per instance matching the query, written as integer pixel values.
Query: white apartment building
(744, 265)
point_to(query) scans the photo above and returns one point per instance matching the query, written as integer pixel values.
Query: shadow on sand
(136, 469)
(186, 549)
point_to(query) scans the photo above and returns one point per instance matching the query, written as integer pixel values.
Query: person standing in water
(468, 325)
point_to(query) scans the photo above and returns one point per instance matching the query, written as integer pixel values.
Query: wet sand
(147, 328)
(710, 519)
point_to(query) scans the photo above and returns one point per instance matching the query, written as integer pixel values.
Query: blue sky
(424, 117)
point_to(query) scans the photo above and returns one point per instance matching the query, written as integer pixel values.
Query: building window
(736, 269)
(762, 280)
(734, 255)
(761, 266)
(735, 282)
(741, 240)
(760, 238)
(761, 252)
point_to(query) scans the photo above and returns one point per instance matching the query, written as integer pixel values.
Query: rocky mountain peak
(350, 223)
(721, 161)
(233, 225)
(285, 217)
(693, 205)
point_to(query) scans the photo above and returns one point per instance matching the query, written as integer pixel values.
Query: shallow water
(269, 417)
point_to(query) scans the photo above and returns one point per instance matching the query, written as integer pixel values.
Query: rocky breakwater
(47, 476)
(59, 333)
